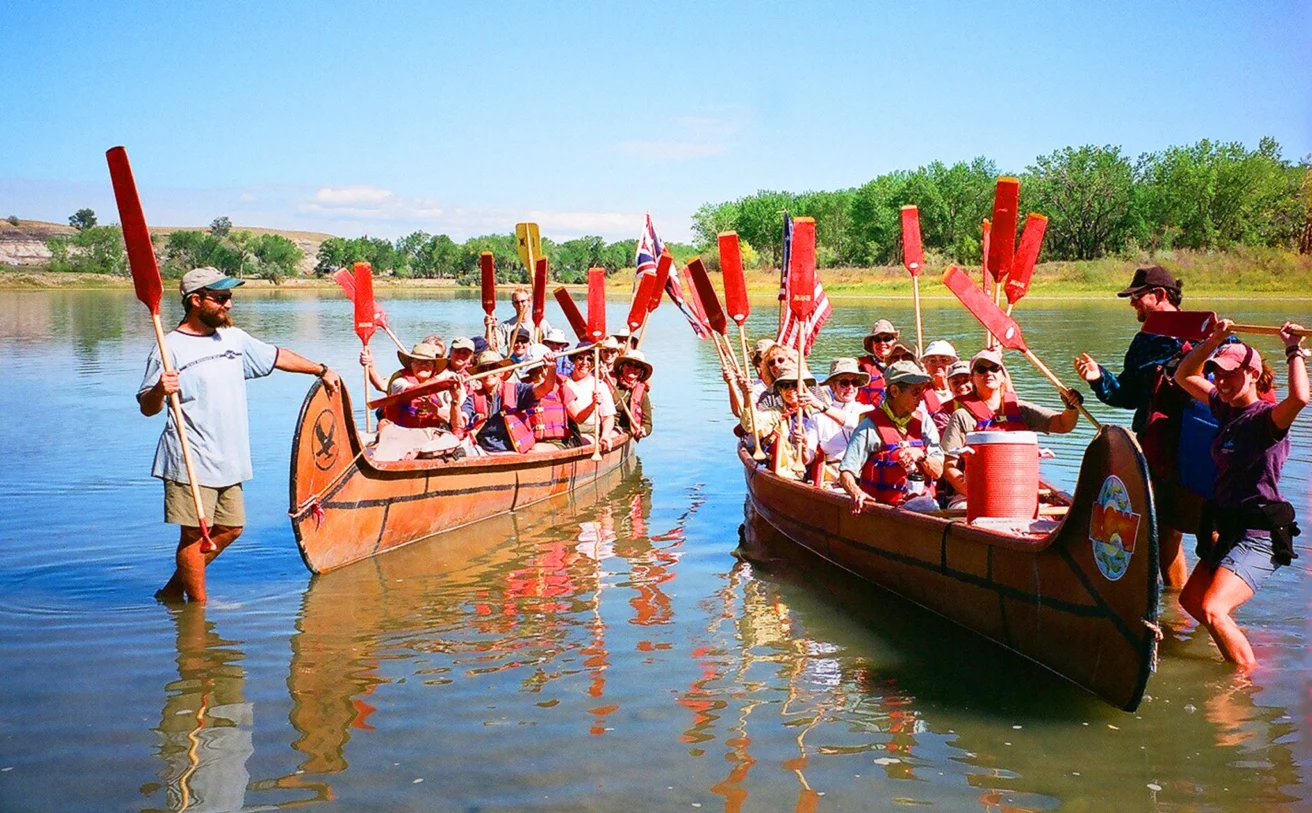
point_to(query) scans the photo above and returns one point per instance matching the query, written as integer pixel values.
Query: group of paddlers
(889, 428)
(472, 400)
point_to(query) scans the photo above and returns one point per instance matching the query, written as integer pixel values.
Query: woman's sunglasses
(985, 369)
(883, 337)
(847, 382)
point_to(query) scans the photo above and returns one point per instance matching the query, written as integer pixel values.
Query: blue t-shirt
(212, 373)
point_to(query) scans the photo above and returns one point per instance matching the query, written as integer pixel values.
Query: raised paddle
(364, 317)
(539, 296)
(596, 332)
(346, 282)
(663, 266)
(1195, 326)
(739, 308)
(1002, 236)
(528, 244)
(707, 305)
(572, 314)
(1001, 326)
(801, 288)
(638, 309)
(146, 280)
(1022, 267)
(985, 228)
(913, 258)
(488, 271)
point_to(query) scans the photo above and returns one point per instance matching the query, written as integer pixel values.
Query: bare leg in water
(1171, 557)
(188, 581)
(1210, 595)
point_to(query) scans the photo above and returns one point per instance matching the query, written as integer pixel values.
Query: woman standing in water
(1247, 527)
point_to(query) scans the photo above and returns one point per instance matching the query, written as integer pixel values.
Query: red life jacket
(986, 420)
(517, 427)
(635, 405)
(882, 477)
(409, 414)
(873, 392)
(548, 419)
(932, 402)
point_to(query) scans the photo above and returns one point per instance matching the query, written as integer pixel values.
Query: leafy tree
(13, 220)
(1086, 193)
(276, 256)
(82, 219)
(220, 226)
(712, 218)
(93, 250)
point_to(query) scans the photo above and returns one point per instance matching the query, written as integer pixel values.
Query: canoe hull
(1074, 602)
(345, 508)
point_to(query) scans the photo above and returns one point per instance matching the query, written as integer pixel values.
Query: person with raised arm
(1247, 528)
(211, 362)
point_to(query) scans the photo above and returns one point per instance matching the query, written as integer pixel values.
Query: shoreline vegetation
(1230, 274)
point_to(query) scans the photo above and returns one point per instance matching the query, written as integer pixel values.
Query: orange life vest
(419, 413)
(986, 420)
(882, 477)
(548, 419)
(873, 392)
(517, 426)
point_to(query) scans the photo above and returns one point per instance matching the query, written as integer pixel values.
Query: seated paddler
(496, 410)
(787, 423)
(631, 374)
(995, 408)
(894, 457)
(841, 414)
(589, 401)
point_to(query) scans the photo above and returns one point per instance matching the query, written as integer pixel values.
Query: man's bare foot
(169, 597)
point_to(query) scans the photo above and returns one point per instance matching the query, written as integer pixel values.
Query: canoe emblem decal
(325, 440)
(1113, 529)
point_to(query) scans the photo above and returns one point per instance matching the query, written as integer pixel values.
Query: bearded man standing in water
(211, 362)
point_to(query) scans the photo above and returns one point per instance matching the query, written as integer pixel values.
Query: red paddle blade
(982, 308)
(596, 303)
(346, 282)
(488, 267)
(693, 298)
(663, 266)
(638, 310)
(364, 301)
(706, 293)
(141, 253)
(801, 269)
(1193, 326)
(1022, 267)
(1002, 240)
(572, 314)
(913, 253)
(539, 290)
(735, 283)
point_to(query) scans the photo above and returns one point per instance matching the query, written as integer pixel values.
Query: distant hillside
(25, 244)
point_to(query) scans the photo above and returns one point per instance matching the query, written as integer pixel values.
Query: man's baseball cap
(1154, 276)
(208, 277)
(904, 373)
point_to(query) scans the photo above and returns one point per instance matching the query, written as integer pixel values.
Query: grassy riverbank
(1235, 274)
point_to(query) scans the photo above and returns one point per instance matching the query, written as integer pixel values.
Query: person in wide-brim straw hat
(631, 373)
(490, 360)
(844, 412)
(878, 344)
(422, 352)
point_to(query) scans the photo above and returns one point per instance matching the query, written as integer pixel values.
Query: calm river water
(612, 653)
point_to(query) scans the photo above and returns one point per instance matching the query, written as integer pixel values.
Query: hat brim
(225, 284)
(405, 359)
(1134, 289)
(904, 380)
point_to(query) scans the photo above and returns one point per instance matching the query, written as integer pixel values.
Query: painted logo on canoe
(1113, 529)
(325, 445)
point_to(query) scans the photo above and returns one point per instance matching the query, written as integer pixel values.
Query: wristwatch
(1294, 351)
(323, 369)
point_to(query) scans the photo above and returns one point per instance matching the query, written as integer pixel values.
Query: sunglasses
(883, 337)
(520, 301)
(847, 382)
(787, 385)
(221, 298)
(776, 362)
(985, 369)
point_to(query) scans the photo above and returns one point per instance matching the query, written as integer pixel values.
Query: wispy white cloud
(688, 137)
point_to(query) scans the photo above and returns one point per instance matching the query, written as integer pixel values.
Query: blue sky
(465, 118)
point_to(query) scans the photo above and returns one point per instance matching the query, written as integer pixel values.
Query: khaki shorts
(223, 506)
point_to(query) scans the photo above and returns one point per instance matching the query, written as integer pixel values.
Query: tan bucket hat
(638, 359)
(846, 366)
(490, 360)
(787, 374)
(878, 328)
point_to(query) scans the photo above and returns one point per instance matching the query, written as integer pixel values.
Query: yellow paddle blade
(528, 242)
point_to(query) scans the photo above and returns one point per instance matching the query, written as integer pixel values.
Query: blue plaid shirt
(1133, 388)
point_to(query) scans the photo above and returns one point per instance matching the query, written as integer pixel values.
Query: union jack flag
(649, 250)
(823, 310)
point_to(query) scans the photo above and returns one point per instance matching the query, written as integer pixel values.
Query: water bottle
(915, 483)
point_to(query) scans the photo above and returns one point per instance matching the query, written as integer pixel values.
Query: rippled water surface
(605, 653)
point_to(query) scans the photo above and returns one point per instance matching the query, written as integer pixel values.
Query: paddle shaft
(367, 382)
(596, 416)
(175, 403)
(1267, 330)
(1056, 382)
(915, 297)
(759, 454)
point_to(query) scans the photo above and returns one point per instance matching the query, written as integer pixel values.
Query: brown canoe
(346, 507)
(1075, 600)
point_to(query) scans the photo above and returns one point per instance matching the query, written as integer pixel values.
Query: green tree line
(437, 256)
(1208, 196)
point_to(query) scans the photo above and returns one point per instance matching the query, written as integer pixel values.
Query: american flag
(788, 331)
(649, 249)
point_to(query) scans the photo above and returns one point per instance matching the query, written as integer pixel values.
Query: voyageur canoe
(1080, 599)
(345, 506)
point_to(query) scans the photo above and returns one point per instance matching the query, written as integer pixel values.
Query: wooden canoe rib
(345, 507)
(1077, 601)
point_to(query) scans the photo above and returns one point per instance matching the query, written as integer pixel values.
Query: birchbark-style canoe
(346, 507)
(1080, 600)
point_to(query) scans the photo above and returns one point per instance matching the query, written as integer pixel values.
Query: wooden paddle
(150, 288)
(704, 292)
(801, 293)
(346, 281)
(1195, 326)
(985, 229)
(739, 308)
(364, 317)
(539, 296)
(528, 244)
(572, 314)
(596, 332)
(663, 266)
(1002, 236)
(638, 308)
(1022, 267)
(488, 270)
(913, 257)
(1000, 325)
(431, 386)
